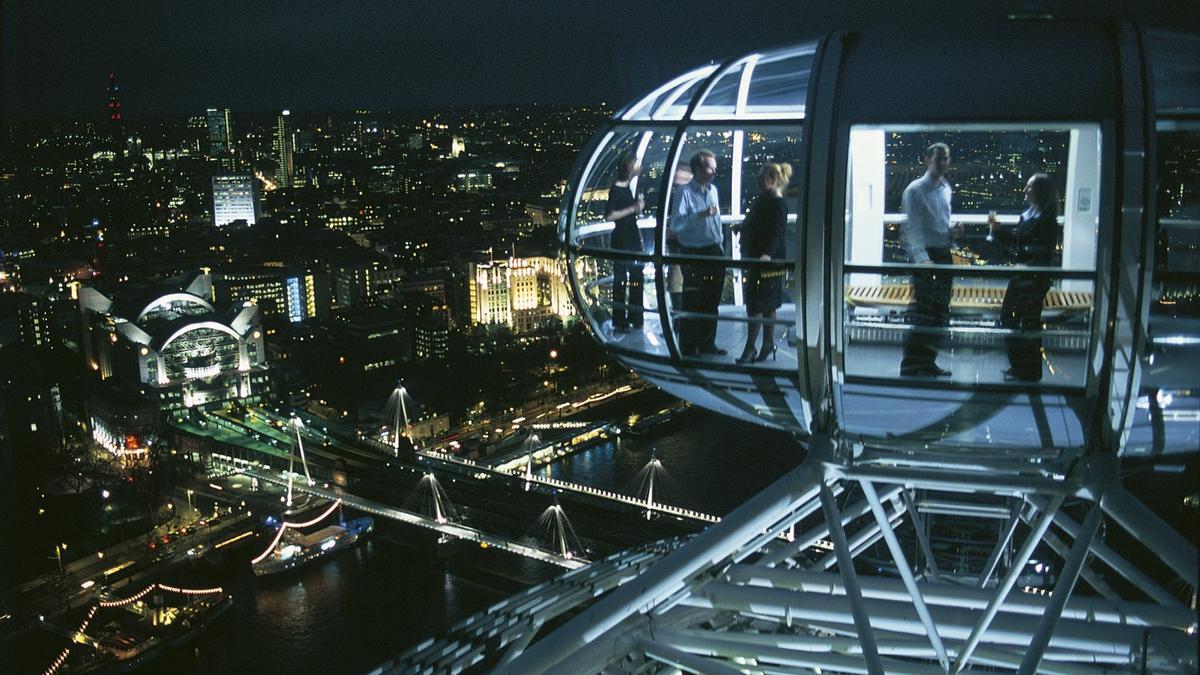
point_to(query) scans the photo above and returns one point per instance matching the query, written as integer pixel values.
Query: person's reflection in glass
(628, 278)
(1031, 242)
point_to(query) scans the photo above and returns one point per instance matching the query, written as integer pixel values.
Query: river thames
(350, 613)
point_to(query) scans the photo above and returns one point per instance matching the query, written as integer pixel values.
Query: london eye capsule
(1107, 355)
(975, 298)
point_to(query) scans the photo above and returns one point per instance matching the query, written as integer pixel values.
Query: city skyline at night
(549, 338)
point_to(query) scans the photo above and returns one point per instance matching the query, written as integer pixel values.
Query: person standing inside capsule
(696, 224)
(926, 235)
(1033, 242)
(623, 208)
(763, 239)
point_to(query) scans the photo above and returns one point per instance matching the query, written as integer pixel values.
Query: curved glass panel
(736, 282)
(727, 96)
(594, 225)
(779, 84)
(620, 301)
(1167, 414)
(666, 95)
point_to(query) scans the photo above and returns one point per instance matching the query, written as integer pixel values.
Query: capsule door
(966, 315)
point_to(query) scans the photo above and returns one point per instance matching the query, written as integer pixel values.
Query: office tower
(233, 199)
(284, 150)
(220, 136)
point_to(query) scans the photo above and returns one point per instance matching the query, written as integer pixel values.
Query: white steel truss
(746, 596)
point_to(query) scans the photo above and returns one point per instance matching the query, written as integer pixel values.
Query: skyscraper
(233, 199)
(283, 150)
(220, 136)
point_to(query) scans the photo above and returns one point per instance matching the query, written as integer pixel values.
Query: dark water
(345, 615)
(354, 611)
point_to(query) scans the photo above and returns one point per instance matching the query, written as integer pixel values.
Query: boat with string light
(292, 548)
(127, 633)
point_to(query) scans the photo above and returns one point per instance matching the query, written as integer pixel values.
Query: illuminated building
(284, 150)
(473, 181)
(521, 293)
(286, 293)
(220, 136)
(234, 199)
(173, 346)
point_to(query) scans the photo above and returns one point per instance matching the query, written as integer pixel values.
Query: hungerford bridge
(273, 439)
(980, 519)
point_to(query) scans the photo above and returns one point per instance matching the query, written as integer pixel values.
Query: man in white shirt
(926, 235)
(696, 225)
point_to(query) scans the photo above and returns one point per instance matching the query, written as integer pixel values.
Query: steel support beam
(1006, 537)
(919, 526)
(1009, 581)
(1113, 559)
(1092, 577)
(672, 573)
(1062, 591)
(822, 610)
(846, 566)
(819, 531)
(1145, 525)
(906, 574)
(1100, 612)
(683, 660)
(862, 540)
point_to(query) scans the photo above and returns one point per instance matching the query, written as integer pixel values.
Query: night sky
(183, 57)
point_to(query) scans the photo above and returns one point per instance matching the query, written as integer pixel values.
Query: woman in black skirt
(763, 239)
(1032, 242)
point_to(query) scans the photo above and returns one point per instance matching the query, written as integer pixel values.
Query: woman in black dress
(762, 239)
(622, 208)
(1032, 242)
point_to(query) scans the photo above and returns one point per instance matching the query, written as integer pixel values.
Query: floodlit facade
(234, 199)
(521, 293)
(939, 522)
(174, 346)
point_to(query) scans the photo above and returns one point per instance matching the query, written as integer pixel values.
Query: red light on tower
(114, 98)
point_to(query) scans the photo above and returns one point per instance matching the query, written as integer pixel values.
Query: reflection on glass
(992, 200)
(978, 343)
(593, 224)
(629, 316)
(1167, 412)
(720, 331)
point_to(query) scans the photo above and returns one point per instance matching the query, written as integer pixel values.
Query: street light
(58, 549)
